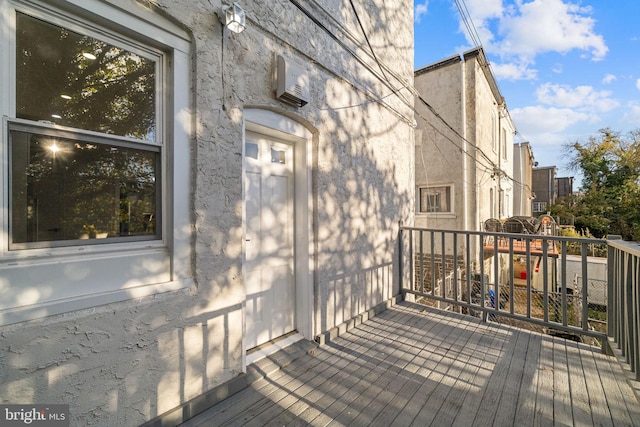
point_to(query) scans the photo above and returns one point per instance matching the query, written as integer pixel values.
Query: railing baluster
(512, 289)
(482, 284)
(611, 289)
(626, 303)
(496, 274)
(433, 263)
(585, 290)
(635, 321)
(455, 266)
(468, 267)
(545, 279)
(401, 256)
(412, 275)
(444, 266)
(421, 261)
(564, 283)
(528, 249)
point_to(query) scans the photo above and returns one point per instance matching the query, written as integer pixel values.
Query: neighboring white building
(464, 145)
(523, 163)
(166, 207)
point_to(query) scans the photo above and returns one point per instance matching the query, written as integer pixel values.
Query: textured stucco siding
(455, 141)
(125, 363)
(439, 157)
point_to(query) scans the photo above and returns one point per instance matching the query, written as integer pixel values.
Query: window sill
(67, 306)
(443, 215)
(46, 285)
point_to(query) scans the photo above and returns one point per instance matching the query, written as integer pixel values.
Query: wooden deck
(413, 365)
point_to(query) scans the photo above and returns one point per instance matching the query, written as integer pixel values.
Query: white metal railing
(623, 301)
(505, 277)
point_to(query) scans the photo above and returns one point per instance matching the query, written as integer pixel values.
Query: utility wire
(405, 85)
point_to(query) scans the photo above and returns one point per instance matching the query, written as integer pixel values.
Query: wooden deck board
(492, 392)
(450, 390)
(597, 395)
(413, 364)
(429, 374)
(528, 385)
(578, 387)
(543, 414)
(462, 373)
(485, 359)
(562, 408)
(508, 399)
(615, 399)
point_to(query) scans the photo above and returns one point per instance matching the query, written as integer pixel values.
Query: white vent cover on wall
(291, 82)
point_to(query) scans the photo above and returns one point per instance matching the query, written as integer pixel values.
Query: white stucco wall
(439, 158)
(463, 93)
(127, 362)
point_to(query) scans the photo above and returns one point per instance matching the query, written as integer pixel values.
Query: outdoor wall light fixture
(234, 17)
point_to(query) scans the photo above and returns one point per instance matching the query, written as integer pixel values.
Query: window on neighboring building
(504, 144)
(436, 199)
(87, 114)
(492, 206)
(494, 131)
(539, 206)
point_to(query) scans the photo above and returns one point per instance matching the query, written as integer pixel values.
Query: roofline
(477, 52)
(434, 66)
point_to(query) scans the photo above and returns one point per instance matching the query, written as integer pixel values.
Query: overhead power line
(383, 77)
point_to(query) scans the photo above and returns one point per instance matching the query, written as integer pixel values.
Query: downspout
(465, 179)
(501, 206)
(468, 182)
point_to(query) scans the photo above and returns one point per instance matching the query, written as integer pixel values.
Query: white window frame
(539, 206)
(503, 138)
(494, 132)
(40, 282)
(446, 214)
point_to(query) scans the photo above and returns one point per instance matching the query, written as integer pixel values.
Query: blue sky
(566, 68)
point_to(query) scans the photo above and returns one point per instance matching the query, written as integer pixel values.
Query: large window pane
(435, 199)
(66, 189)
(81, 82)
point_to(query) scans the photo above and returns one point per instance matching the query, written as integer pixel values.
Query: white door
(269, 190)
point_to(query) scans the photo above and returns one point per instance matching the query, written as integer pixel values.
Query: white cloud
(513, 71)
(481, 10)
(579, 97)
(638, 84)
(420, 10)
(481, 13)
(542, 26)
(525, 29)
(609, 78)
(632, 116)
(539, 119)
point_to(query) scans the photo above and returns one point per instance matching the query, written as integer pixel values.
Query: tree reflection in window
(81, 82)
(66, 185)
(64, 189)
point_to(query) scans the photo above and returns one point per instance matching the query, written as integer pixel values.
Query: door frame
(274, 125)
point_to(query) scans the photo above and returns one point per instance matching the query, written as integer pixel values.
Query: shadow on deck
(414, 365)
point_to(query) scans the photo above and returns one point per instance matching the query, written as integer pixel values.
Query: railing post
(611, 277)
(585, 289)
(421, 261)
(400, 257)
(468, 267)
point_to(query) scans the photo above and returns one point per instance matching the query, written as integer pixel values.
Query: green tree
(610, 193)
